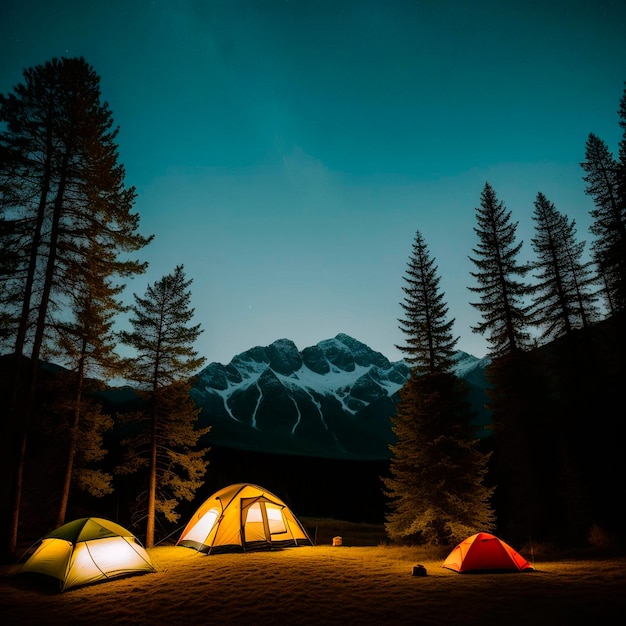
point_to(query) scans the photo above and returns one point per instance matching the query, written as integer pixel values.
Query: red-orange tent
(484, 552)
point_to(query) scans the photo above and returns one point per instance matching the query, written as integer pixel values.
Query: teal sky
(286, 151)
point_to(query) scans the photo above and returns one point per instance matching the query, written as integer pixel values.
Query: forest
(69, 242)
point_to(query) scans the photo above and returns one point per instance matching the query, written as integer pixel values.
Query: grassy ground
(350, 584)
(323, 530)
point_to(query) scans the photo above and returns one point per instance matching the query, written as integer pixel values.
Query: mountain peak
(334, 399)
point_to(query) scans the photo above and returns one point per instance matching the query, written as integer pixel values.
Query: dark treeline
(70, 241)
(68, 238)
(555, 399)
(555, 329)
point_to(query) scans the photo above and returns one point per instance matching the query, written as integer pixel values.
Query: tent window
(203, 527)
(275, 519)
(254, 514)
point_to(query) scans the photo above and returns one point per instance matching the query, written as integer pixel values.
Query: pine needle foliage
(564, 298)
(84, 447)
(602, 184)
(499, 274)
(429, 343)
(436, 488)
(165, 438)
(605, 179)
(63, 199)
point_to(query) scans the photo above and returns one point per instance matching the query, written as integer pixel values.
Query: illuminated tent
(88, 550)
(484, 552)
(242, 518)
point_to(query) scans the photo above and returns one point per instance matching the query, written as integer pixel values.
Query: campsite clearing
(324, 584)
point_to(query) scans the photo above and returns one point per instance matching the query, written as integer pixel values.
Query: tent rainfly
(88, 550)
(484, 552)
(242, 518)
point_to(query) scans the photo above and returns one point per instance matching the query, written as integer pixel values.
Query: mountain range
(331, 400)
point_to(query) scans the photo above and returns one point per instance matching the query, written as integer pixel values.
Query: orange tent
(484, 552)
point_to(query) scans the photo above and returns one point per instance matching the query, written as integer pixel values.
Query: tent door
(260, 520)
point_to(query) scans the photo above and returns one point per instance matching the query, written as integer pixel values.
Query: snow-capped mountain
(331, 400)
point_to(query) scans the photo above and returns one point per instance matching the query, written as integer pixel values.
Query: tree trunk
(67, 480)
(37, 343)
(153, 479)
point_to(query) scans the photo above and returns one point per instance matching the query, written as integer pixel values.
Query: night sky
(285, 152)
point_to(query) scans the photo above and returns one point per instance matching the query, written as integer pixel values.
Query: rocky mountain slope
(331, 400)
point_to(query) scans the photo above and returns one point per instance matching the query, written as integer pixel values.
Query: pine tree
(8, 298)
(609, 226)
(505, 317)
(86, 345)
(619, 252)
(80, 430)
(563, 298)
(63, 185)
(518, 386)
(430, 346)
(166, 430)
(437, 486)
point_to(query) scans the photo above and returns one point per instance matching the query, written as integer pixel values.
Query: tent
(88, 550)
(241, 518)
(484, 552)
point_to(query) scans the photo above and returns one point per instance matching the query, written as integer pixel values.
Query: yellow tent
(88, 550)
(243, 517)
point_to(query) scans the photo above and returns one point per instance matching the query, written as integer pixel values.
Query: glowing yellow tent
(88, 550)
(243, 517)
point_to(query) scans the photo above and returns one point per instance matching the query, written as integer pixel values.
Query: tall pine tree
(429, 347)
(86, 344)
(64, 186)
(563, 296)
(166, 436)
(436, 490)
(505, 316)
(602, 183)
(620, 246)
(516, 377)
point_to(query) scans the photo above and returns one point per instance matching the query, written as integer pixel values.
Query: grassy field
(322, 584)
